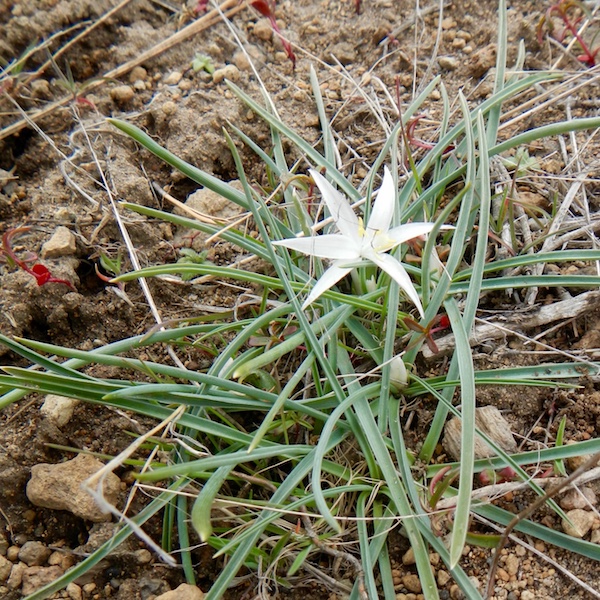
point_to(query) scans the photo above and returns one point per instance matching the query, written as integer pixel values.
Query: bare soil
(51, 180)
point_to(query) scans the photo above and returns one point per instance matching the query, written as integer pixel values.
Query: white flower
(356, 244)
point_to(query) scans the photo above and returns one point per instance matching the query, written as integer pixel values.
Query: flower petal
(398, 273)
(408, 231)
(333, 246)
(383, 208)
(339, 207)
(328, 279)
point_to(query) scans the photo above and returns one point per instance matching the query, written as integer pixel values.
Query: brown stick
(229, 8)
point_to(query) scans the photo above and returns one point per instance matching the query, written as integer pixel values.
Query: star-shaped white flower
(356, 243)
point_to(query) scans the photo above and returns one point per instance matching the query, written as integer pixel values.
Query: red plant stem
(40, 272)
(264, 8)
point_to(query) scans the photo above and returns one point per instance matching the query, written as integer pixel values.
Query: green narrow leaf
(201, 511)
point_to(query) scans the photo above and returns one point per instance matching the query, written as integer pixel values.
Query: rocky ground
(48, 182)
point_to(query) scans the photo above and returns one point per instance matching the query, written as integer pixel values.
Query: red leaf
(43, 276)
(262, 7)
(41, 273)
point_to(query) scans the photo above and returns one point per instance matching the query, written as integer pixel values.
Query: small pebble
(62, 243)
(12, 553)
(173, 78)
(448, 62)
(58, 409)
(230, 72)
(138, 74)
(169, 108)
(263, 30)
(5, 568)
(512, 564)
(74, 591)
(579, 523)
(183, 592)
(40, 88)
(412, 583)
(122, 94)
(240, 60)
(443, 577)
(578, 498)
(16, 576)
(34, 553)
(36, 577)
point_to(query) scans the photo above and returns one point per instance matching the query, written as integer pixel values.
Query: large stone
(488, 420)
(62, 243)
(34, 554)
(183, 592)
(59, 487)
(36, 577)
(579, 523)
(58, 409)
(211, 204)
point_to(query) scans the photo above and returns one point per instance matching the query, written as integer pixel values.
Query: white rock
(210, 203)
(581, 522)
(489, 420)
(183, 592)
(174, 78)
(59, 487)
(448, 62)
(582, 498)
(62, 243)
(58, 409)
(74, 591)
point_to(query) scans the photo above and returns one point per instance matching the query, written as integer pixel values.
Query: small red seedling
(201, 7)
(266, 9)
(564, 10)
(439, 323)
(277, 334)
(418, 143)
(491, 477)
(40, 272)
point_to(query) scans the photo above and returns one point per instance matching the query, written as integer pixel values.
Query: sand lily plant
(357, 244)
(286, 444)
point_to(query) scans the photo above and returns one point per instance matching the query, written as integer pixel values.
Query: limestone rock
(488, 420)
(59, 487)
(230, 72)
(62, 243)
(122, 94)
(5, 568)
(581, 522)
(582, 498)
(36, 577)
(448, 63)
(34, 554)
(183, 592)
(58, 409)
(210, 203)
